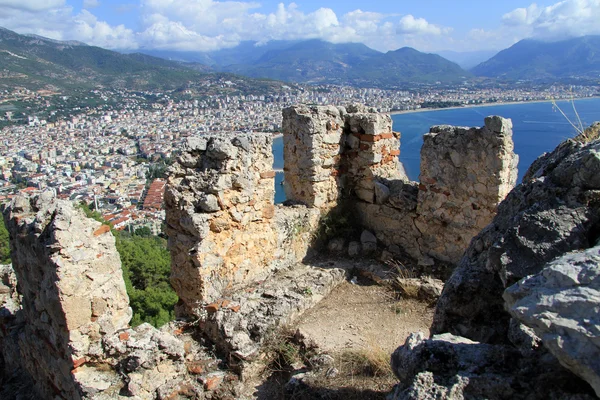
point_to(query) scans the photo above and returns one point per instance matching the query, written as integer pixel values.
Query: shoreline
(487, 105)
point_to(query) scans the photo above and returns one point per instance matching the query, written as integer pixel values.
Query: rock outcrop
(452, 367)
(562, 306)
(555, 210)
(554, 307)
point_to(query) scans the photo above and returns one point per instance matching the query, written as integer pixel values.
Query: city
(113, 157)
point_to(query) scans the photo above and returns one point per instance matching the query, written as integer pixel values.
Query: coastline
(486, 105)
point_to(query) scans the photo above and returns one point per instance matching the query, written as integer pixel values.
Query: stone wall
(465, 174)
(334, 154)
(313, 142)
(221, 221)
(329, 151)
(71, 290)
(64, 317)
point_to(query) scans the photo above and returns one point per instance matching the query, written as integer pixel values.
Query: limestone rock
(562, 306)
(541, 219)
(453, 367)
(354, 249)
(368, 242)
(71, 285)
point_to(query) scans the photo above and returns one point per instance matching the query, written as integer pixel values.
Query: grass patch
(370, 361)
(403, 279)
(282, 351)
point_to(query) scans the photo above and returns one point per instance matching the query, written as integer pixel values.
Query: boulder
(562, 306)
(453, 367)
(555, 210)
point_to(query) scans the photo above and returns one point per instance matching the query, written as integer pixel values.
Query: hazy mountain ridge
(317, 61)
(537, 60)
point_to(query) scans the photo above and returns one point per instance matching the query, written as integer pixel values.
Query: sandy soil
(363, 316)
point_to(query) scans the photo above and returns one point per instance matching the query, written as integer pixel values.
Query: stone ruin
(241, 265)
(349, 157)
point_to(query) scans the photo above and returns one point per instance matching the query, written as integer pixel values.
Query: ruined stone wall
(465, 174)
(330, 152)
(372, 155)
(64, 317)
(313, 142)
(71, 291)
(334, 154)
(221, 221)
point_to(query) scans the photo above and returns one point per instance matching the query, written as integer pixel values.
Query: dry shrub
(405, 279)
(371, 360)
(281, 351)
(590, 134)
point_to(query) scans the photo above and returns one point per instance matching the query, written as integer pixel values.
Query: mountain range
(317, 61)
(36, 62)
(576, 58)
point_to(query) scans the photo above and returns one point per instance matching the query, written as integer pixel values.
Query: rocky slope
(477, 349)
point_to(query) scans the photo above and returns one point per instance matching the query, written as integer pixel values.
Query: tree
(146, 264)
(4, 244)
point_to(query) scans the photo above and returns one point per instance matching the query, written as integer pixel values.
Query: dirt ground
(366, 315)
(359, 325)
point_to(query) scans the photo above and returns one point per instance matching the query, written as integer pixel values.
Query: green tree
(144, 231)
(146, 267)
(4, 245)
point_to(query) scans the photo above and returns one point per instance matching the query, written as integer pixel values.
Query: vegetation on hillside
(146, 266)
(4, 244)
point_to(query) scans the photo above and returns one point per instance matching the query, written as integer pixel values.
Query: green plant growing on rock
(281, 351)
(333, 224)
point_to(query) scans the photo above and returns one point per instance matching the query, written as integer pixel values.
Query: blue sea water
(537, 128)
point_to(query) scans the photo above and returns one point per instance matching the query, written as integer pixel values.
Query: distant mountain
(247, 52)
(316, 61)
(467, 59)
(407, 65)
(312, 61)
(538, 60)
(36, 62)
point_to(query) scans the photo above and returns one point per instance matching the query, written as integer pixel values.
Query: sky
(205, 25)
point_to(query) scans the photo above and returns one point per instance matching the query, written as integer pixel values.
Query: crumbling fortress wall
(221, 219)
(64, 317)
(225, 232)
(71, 289)
(336, 154)
(330, 150)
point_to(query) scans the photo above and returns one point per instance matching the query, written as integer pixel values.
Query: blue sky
(200, 25)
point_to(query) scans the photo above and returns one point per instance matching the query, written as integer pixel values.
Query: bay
(537, 128)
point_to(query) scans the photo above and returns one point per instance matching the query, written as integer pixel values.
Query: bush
(146, 264)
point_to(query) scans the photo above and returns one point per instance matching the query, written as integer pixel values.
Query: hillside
(577, 58)
(35, 62)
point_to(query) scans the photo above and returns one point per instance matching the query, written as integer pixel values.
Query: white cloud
(90, 3)
(32, 5)
(61, 23)
(200, 25)
(563, 19)
(409, 25)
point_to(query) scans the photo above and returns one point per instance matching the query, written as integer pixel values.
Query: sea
(538, 127)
